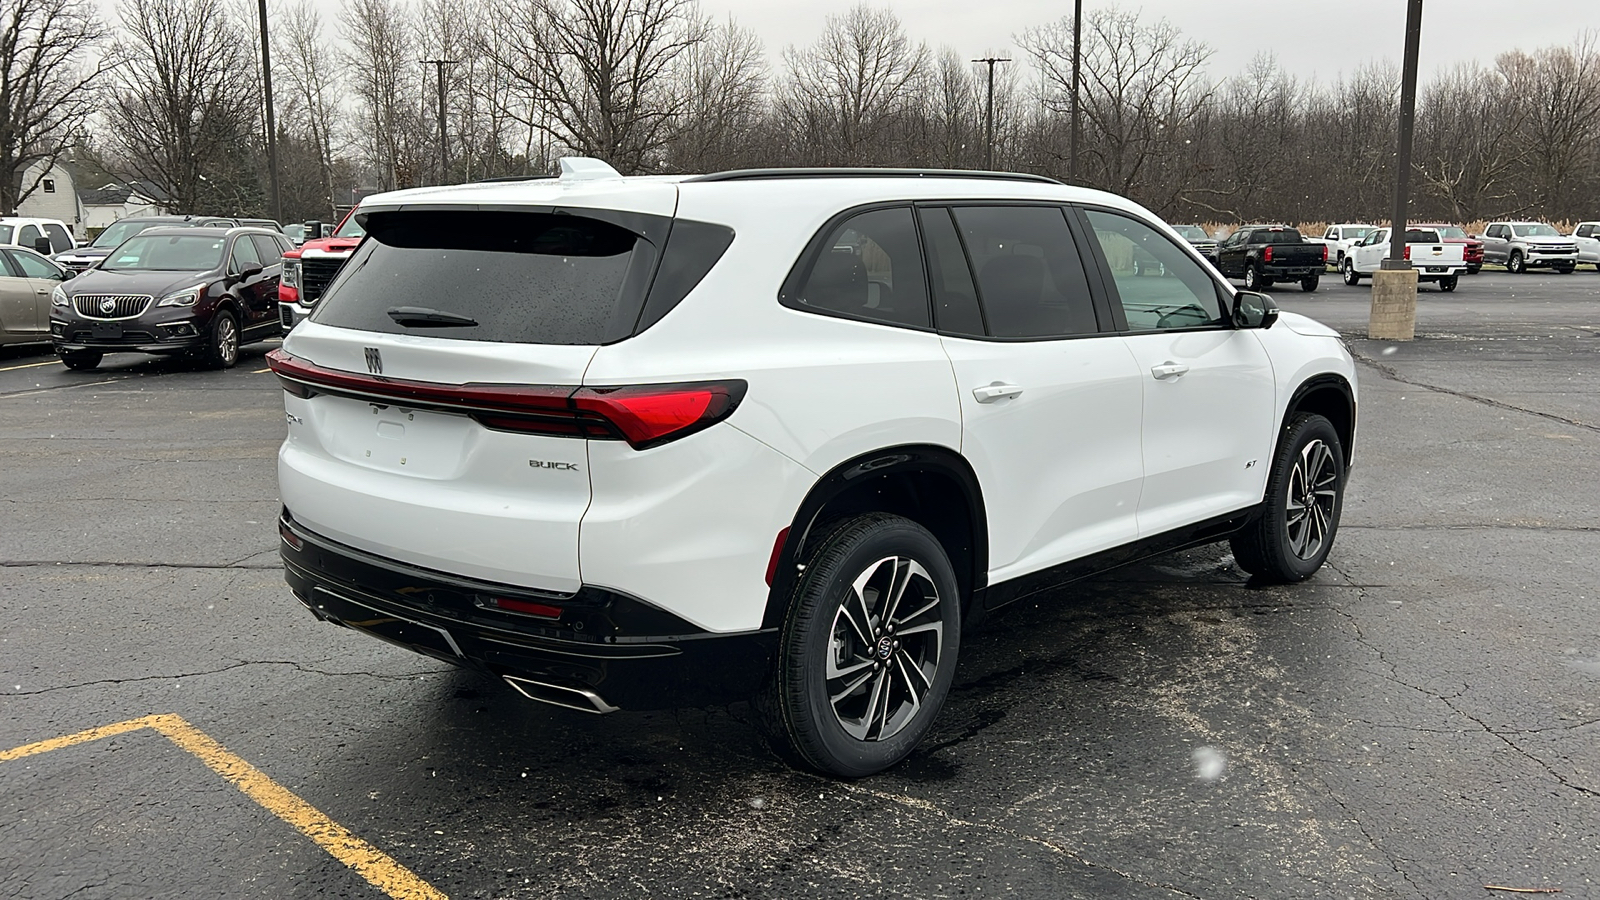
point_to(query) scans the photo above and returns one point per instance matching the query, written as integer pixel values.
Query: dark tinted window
(692, 249)
(1276, 236)
(1030, 279)
(27, 236)
(869, 267)
(270, 251)
(59, 239)
(1421, 236)
(524, 277)
(1158, 284)
(955, 301)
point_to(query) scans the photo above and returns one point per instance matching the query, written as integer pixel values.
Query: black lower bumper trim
(604, 644)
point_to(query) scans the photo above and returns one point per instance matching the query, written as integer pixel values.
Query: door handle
(1168, 369)
(989, 393)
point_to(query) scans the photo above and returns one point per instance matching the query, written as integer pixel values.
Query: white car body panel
(1435, 259)
(1587, 236)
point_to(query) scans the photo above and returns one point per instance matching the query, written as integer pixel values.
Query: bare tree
(310, 110)
(601, 75)
(186, 108)
(848, 93)
(49, 86)
(1469, 124)
(1558, 88)
(725, 83)
(1142, 84)
(382, 73)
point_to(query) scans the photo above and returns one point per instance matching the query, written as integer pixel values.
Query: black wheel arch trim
(909, 459)
(1324, 382)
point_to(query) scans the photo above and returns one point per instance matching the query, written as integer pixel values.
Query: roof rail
(765, 174)
(508, 178)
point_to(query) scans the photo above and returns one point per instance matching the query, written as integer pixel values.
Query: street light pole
(1408, 116)
(988, 132)
(272, 125)
(1077, 63)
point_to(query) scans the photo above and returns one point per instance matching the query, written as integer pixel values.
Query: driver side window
(1159, 286)
(244, 254)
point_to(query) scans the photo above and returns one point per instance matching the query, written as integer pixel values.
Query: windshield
(168, 253)
(1356, 233)
(1190, 232)
(351, 228)
(118, 232)
(1535, 229)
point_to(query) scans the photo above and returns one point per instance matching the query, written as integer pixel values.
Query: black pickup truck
(1264, 254)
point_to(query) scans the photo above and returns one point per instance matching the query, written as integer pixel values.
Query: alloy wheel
(885, 649)
(1312, 493)
(227, 341)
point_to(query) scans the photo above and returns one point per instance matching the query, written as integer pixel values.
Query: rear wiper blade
(422, 316)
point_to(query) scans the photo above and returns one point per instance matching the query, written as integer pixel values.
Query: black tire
(1351, 276)
(1565, 270)
(805, 724)
(1473, 270)
(1309, 284)
(1252, 278)
(222, 342)
(1515, 264)
(1278, 547)
(80, 360)
(1448, 283)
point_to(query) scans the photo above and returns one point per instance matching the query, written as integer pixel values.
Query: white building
(56, 197)
(119, 200)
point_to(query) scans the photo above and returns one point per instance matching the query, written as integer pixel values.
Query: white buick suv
(629, 443)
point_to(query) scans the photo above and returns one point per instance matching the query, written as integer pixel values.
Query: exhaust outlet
(579, 699)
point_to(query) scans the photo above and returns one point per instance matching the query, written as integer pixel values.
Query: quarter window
(1159, 286)
(1031, 282)
(955, 300)
(870, 267)
(268, 249)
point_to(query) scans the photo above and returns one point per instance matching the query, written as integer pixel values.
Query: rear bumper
(1288, 272)
(603, 651)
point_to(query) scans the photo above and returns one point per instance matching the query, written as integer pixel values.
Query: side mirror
(250, 270)
(1253, 310)
(42, 247)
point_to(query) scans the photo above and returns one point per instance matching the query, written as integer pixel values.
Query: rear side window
(1030, 279)
(59, 239)
(269, 249)
(868, 267)
(522, 277)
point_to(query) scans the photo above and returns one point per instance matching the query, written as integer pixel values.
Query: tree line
(170, 92)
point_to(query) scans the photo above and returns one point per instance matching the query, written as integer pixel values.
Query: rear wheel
(868, 648)
(1252, 278)
(80, 360)
(1515, 264)
(1309, 284)
(1448, 283)
(1351, 277)
(1305, 494)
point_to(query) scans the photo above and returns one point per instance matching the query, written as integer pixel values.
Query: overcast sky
(1312, 38)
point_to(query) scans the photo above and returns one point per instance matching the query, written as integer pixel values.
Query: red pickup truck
(308, 268)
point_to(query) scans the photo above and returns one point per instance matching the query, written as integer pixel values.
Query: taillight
(1266, 255)
(652, 414)
(643, 415)
(1407, 252)
(1324, 254)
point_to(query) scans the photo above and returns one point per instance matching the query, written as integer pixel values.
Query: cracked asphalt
(1417, 721)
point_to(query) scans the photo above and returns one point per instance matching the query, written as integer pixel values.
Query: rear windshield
(1421, 236)
(1278, 236)
(522, 277)
(1190, 232)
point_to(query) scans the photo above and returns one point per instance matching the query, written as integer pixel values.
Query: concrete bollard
(1394, 305)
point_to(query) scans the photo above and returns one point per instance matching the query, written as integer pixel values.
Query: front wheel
(1448, 283)
(1565, 270)
(1305, 494)
(868, 648)
(222, 344)
(1351, 277)
(1309, 284)
(1515, 265)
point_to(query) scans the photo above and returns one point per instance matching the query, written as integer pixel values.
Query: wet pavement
(1417, 721)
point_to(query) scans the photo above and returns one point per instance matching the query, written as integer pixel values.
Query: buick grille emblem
(374, 361)
(108, 306)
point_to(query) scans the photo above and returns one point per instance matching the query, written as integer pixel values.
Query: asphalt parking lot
(1419, 720)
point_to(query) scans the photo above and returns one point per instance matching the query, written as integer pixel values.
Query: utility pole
(1077, 63)
(272, 124)
(444, 140)
(988, 132)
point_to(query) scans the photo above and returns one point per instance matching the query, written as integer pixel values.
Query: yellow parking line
(53, 362)
(377, 867)
(259, 371)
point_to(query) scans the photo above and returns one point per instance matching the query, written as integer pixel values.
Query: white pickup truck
(1587, 237)
(1434, 260)
(1340, 238)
